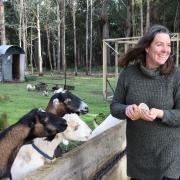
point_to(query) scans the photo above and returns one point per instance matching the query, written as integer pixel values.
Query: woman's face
(159, 50)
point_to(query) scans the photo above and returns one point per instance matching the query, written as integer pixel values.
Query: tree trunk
(59, 37)
(54, 57)
(177, 19)
(20, 22)
(133, 18)
(2, 23)
(24, 30)
(48, 46)
(105, 25)
(91, 28)
(74, 32)
(148, 15)
(87, 34)
(129, 20)
(63, 39)
(141, 15)
(39, 42)
(31, 54)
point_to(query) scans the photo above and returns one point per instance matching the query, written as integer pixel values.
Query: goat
(36, 123)
(30, 87)
(109, 122)
(65, 102)
(33, 156)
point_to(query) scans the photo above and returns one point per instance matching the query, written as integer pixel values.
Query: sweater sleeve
(172, 117)
(117, 106)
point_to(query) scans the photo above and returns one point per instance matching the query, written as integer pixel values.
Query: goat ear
(37, 119)
(67, 100)
(56, 102)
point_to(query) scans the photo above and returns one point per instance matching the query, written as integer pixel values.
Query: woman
(150, 77)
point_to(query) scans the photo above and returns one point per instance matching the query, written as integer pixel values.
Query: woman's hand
(152, 114)
(132, 112)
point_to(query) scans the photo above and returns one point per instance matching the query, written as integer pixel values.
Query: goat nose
(86, 108)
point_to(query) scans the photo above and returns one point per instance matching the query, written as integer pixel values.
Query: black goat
(36, 123)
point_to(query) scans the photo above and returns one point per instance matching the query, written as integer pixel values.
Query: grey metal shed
(12, 63)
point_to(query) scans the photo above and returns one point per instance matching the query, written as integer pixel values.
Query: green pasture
(16, 101)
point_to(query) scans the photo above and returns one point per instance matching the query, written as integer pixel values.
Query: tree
(141, 15)
(148, 14)
(2, 23)
(39, 41)
(58, 3)
(87, 35)
(91, 30)
(129, 19)
(63, 42)
(73, 5)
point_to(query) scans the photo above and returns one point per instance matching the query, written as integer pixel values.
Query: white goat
(33, 156)
(109, 122)
(30, 87)
(58, 90)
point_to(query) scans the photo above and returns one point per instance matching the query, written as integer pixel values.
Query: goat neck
(10, 142)
(49, 147)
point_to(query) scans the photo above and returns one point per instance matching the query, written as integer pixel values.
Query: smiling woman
(159, 51)
(150, 77)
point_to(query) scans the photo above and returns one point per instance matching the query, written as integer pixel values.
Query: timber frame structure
(175, 38)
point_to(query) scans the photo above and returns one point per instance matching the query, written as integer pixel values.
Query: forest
(61, 34)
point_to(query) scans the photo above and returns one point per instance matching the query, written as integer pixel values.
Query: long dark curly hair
(137, 54)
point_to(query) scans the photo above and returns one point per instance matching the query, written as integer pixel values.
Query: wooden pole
(116, 61)
(104, 69)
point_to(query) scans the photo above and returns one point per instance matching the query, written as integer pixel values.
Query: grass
(16, 101)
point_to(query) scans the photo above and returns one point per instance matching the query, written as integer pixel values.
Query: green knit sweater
(153, 148)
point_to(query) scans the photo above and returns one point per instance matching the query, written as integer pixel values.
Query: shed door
(7, 68)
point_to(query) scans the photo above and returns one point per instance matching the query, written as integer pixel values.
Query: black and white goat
(64, 102)
(36, 123)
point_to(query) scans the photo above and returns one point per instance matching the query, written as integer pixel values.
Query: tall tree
(177, 18)
(148, 14)
(129, 19)
(87, 35)
(39, 41)
(133, 17)
(73, 5)
(63, 42)
(2, 23)
(105, 24)
(58, 3)
(91, 30)
(141, 15)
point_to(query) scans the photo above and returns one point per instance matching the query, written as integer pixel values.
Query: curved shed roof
(11, 49)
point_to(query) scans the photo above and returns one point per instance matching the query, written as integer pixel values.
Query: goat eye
(68, 100)
(76, 128)
(31, 124)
